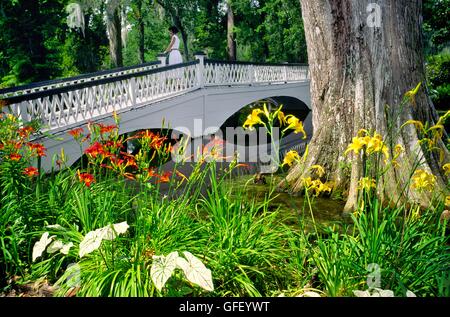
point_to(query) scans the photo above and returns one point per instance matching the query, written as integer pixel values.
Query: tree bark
(141, 31)
(232, 50)
(360, 71)
(115, 36)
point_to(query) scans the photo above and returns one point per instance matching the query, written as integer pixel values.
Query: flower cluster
(290, 121)
(368, 144)
(16, 149)
(423, 181)
(107, 151)
(316, 186)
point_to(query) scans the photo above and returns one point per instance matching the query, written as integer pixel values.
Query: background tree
(210, 29)
(231, 41)
(181, 12)
(85, 49)
(114, 27)
(29, 40)
(358, 67)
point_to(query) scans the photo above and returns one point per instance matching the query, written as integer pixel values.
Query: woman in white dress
(174, 47)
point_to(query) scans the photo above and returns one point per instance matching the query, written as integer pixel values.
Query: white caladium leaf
(310, 294)
(91, 242)
(385, 293)
(195, 271)
(39, 247)
(65, 249)
(376, 292)
(361, 293)
(410, 294)
(162, 269)
(55, 246)
(93, 239)
(111, 232)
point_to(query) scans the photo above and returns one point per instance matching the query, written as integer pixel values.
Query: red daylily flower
(39, 148)
(31, 171)
(106, 128)
(86, 178)
(15, 157)
(25, 131)
(95, 150)
(76, 133)
(165, 177)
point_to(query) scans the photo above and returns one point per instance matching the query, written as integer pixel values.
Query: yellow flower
(418, 124)
(356, 146)
(444, 118)
(447, 201)
(319, 169)
(296, 125)
(446, 169)
(423, 180)
(398, 150)
(290, 157)
(307, 182)
(253, 119)
(437, 131)
(266, 111)
(367, 183)
(281, 117)
(324, 187)
(376, 144)
(412, 93)
(362, 133)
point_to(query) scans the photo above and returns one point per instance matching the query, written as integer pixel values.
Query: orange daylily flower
(31, 171)
(38, 148)
(86, 178)
(76, 133)
(165, 177)
(25, 131)
(15, 157)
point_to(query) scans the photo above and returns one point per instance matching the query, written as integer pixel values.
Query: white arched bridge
(145, 96)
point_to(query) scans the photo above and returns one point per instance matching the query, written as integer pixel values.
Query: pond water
(294, 210)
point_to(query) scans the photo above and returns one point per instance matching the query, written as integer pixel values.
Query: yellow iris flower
(319, 169)
(367, 183)
(411, 95)
(356, 146)
(446, 169)
(290, 158)
(253, 119)
(423, 180)
(295, 124)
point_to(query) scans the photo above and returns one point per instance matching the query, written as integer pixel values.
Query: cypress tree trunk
(141, 32)
(362, 58)
(232, 51)
(115, 35)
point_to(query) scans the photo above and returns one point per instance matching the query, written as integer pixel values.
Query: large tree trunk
(141, 31)
(232, 51)
(358, 67)
(115, 35)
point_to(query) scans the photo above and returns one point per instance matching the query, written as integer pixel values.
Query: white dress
(175, 55)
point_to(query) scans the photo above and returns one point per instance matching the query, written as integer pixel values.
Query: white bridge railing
(64, 103)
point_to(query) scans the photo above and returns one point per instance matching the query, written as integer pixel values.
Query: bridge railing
(232, 73)
(62, 104)
(65, 82)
